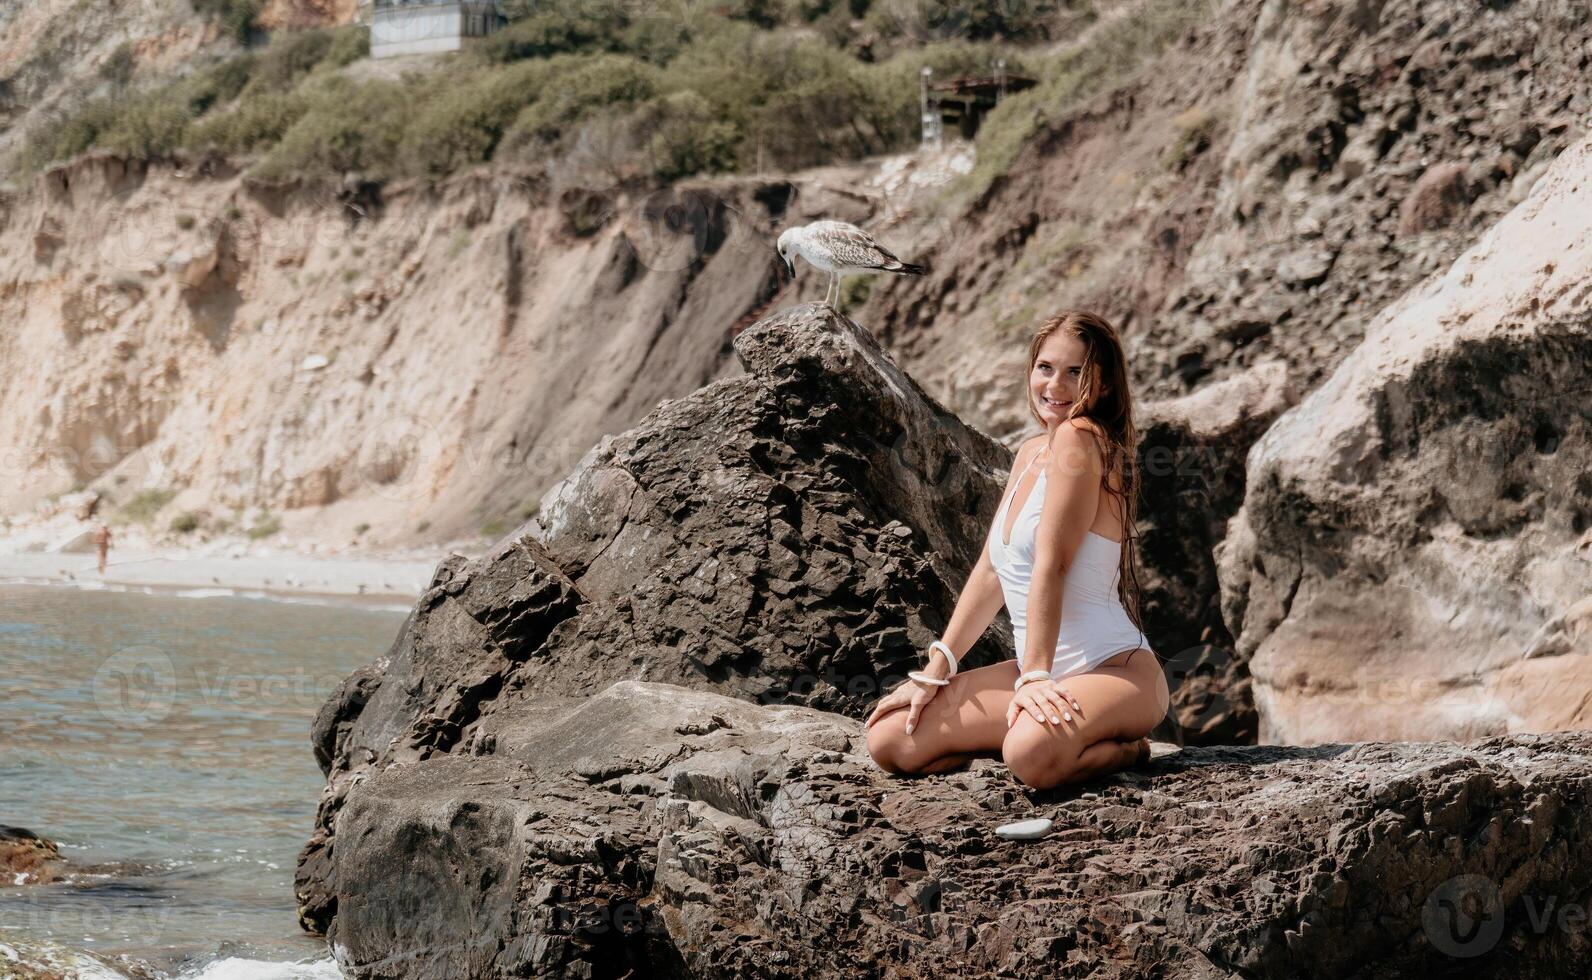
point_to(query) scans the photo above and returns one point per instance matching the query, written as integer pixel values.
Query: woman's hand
(1045, 701)
(911, 694)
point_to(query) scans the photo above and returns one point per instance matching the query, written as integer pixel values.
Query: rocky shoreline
(626, 742)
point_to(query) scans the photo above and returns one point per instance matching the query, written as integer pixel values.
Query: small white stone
(1025, 829)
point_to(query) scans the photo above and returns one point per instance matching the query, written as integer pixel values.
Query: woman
(1089, 688)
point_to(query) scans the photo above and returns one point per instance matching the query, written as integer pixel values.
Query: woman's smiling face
(1053, 383)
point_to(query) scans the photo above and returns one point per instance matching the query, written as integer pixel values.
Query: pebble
(1025, 829)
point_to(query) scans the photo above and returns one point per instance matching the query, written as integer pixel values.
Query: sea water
(167, 738)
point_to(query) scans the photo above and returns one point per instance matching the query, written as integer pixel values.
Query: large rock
(572, 762)
(26, 858)
(795, 534)
(1415, 544)
(1191, 465)
(653, 830)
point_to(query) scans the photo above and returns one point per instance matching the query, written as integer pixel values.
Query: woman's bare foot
(1141, 757)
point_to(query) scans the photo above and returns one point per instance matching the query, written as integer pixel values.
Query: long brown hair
(1103, 386)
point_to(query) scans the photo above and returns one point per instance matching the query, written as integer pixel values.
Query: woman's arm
(1072, 496)
(976, 607)
(981, 597)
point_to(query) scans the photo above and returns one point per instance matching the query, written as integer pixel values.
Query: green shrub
(236, 17)
(250, 125)
(541, 29)
(185, 523)
(118, 68)
(584, 86)
(291, 55)
(361, 528)
(350, 43)
(146, 504)
(264, 526)
(348, 127)
(461, 125)
(687, 136)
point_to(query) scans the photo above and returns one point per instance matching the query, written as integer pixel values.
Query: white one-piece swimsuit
(1094, 625)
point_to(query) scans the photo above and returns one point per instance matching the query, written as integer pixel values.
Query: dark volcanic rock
(657, 831)
(26, 858)
(513, 792)
(790, 535)
(1191, 464)
(793, 535)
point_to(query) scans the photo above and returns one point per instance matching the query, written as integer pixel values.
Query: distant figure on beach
(1078, 700)
(102, 542)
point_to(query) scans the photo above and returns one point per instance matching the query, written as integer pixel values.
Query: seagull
(838, 247)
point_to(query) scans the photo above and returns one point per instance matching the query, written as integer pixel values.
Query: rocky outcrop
(1191, 466)
(1414, 554)
(26, 858)
(1257, 193)
(655, 830)
(796, 534)
(627, 742)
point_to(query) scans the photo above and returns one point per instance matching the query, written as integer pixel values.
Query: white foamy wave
(238, 968)
(205, 593)
(49, 958)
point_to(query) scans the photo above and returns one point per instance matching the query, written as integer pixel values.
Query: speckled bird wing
(850, 245)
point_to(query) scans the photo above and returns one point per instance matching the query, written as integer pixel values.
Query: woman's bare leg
(1119, 703)
(965, 720)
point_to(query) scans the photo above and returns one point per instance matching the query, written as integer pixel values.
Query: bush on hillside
(461, 125)
(348, 127)
(606, 83)
(236, 17)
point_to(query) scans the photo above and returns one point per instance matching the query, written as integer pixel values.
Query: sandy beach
(381, 581)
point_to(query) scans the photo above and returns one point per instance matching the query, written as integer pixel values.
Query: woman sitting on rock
(1089, 688)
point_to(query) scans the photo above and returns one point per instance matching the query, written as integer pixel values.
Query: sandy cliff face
(396, 357)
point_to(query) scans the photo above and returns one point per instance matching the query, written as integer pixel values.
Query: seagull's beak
(789, 266)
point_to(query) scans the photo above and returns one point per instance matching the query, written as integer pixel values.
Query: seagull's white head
(787, 248)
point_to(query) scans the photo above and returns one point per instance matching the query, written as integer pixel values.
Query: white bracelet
(919, 675)
(1032, 675)
(949, 656)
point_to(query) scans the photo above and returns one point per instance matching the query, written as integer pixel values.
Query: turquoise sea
(167, 738)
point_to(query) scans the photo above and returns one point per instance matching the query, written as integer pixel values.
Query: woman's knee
(1035, 757)
(889, 744)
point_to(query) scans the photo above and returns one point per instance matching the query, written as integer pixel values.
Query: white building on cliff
(420, 26)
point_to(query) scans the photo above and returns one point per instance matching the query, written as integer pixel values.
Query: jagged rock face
(26, 858)
(1414, 555)
(1257, 194)
(1191, 466)
(797, 534)
(672, 832)
(805, 525)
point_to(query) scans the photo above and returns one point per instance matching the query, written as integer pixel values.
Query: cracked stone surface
(577, 760)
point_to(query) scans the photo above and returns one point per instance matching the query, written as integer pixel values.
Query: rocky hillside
(1414, 554)
(420, 360)
(626, 743)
